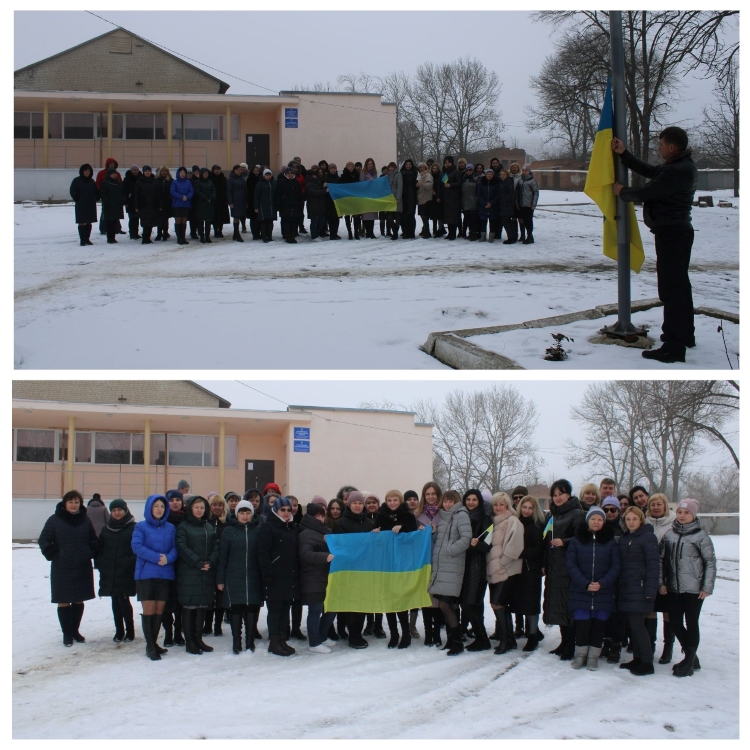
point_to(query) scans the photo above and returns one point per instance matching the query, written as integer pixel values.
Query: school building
(120, 96)
(130, 439)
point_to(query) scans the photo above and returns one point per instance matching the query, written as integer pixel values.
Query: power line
(231, 75)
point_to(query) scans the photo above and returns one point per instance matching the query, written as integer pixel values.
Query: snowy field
(323, 305)
(100, 690)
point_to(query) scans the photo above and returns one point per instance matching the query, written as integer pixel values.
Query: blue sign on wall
(291, 112)
(301, 433)
(301, 446)
(291, 117)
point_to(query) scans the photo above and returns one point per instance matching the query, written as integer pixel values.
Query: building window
(201, 450)
(198, 127)
(160, 127)
(117, 126)
(84, 445)
(37, 446)
(139, 127)
(78, 126)
(55, 125)
(22, 124)
(157, 449)
(234, 124)
(112, 448)
(37, 125)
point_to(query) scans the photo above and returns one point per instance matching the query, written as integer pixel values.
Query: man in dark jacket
(667, 201)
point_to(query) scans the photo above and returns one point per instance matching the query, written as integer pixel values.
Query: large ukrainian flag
(599, 182)
(362, 197)
(383, 572)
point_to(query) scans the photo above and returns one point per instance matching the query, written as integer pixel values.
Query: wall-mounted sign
(301, 433)
(291, 117)
(301, 446)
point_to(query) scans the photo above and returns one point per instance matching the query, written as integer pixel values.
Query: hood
(573, 503)
(72, 518)
(147, 510)
(585, 535)
(310, 522)
(95, 502)
(177, 174)
(83, 167)
(189, 517)
(111, 163)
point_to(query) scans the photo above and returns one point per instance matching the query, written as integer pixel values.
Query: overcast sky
(282, 49)
(553, 400)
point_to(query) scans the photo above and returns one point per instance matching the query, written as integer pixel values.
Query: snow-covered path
(100, 690)
(319, 305)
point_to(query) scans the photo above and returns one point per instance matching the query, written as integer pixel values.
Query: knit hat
(526, 166)
(611, 500)
(594, 510)
(118, 503)
(520, 490)
(690, 504)
(244, 505)
(489, 170)
(319, 500)
(469, 166)
(281, 502)
(267, 171)
(171, 494)
(195, 168)
(254, 491)
(410, 493)
(183, 484)
(314, 509)
(297, 158)
(227, 495)
(243, 165)
(134, 166)
(355, 495)
(146, 168)
(272, 487)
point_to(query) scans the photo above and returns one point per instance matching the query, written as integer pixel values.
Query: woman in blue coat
(593, 563)
(156, 553)
(639, 582)
(182, 192)
(238, 574)
(487, 205)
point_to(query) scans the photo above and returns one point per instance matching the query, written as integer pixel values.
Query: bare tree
(718, 490)
(317, 86)
(720, 129)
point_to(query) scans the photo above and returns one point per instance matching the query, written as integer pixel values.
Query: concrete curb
(452, 349)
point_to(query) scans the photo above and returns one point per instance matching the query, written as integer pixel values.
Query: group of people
(474, 203)
(600, 567)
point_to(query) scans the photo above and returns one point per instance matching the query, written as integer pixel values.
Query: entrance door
(257, 149)
(258, 473)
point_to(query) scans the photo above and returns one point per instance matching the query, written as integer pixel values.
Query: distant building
(506, 156)
(119, 95)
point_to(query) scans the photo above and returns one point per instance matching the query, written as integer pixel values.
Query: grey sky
(249, 44)
(553, 400)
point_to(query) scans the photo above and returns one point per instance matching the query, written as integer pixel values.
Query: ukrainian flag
(599, 182)
(361, 198)
(382, 572)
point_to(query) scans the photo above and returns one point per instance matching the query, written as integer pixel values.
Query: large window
(201, 450)
(35, 445)
(117, 126)
(78, 125)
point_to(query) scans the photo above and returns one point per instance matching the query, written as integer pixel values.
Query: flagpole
(623, 327)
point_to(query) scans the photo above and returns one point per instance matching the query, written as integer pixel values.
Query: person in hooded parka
(221, 208)
(84, 192)
(147, 202)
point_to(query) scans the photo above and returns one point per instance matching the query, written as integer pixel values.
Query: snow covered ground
(99, 690)
(322, 305)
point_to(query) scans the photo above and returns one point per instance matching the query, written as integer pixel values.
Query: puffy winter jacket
(396, 181)
(237, 196)
(527, 192)
(402, 517)
(668, 197)
(475, 570)
(639, 576)
(313, 559)
(204, 199)
(449, 551)
(84, 191)
(593, 557)
(180, 187)
(353, 523)
(688, 561)
(451, 195)
(506, 197)
(151, 539)
(113, 198)
(238, 567)
(147, 199)
(278, 559)
(115, 559)
(488, 192)
(197, 544)
(504, 558)
(264, 202)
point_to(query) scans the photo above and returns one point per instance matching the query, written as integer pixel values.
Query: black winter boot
(254, 614)
(686, 667)
(76, 617)
(82, 235)
(119, 622)
(613, 656)
(207, 230)
(378, 629)
(208, 619)
(348, 221)
(63, 615)
(569, 642)
(237, 237)
(276, 646)
(199, 617)
(437, 624)
(193, 230)
(496, 635)
(129, 627)
(148, 634)
(393, 641)
(454, 643)
(168, 637)
(146, 240)
(481, 641)
(332, 634)
(297, 633)
(188, 627)
(155, 628)
(666, 654)
(427, 614)
(250, 618)
(235, 622)
(651, 623)
(511, 638)
(503, 625)
(531, 642)
(217, 622)
(403, 621)
(369, 627)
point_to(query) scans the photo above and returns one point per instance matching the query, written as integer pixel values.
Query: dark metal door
(257, 149)
(258, 473)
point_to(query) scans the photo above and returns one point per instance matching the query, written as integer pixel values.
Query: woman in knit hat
(115, 561)
(688, 572)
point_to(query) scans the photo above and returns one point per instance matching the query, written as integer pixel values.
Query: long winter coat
(151, 539)
(237, 195)
(250, 184)
(289, 199)
(527, 192)
(449, 551)
(474, 584)
(468, 193)
(69, 542)
(84, 193)
(396, 181)
(313, 559)
(504, 558)
(197, 544)
(147, 199)
(593, 557)
(179, 187)
(566, 519)
(424, 189)
(113, 198)
(279, 559)
(265, 200)
(238, 567)
(165, 197)
(205, 199)
(221, 206)
(316, 197)
(688, 561)
(363, 176)
(115, 559)
(668, 196)
(128, 185)
(488, 192)
(353, 523)
(334, 179)
(409, 190)
(639, 576)
(436, 206)
(526, 593)
(451, 196)
(98, 514)
(506, 197)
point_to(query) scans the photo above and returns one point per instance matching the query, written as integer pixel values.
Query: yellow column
(110, 126)
(169, 135)
(222, 434)
(147, 460)
(227, 135)
(71, 453)
(45, 136)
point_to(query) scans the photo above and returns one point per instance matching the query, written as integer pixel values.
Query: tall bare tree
(720, 128)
